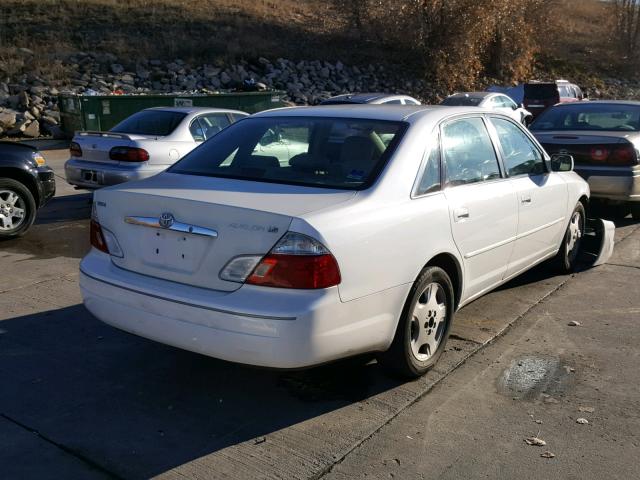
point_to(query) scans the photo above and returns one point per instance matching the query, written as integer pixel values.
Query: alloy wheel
(574, 236)
(428, 322)
(13, 210)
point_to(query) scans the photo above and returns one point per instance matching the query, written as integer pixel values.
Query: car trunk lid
(96, 146)
(592, 149)
(219, 220)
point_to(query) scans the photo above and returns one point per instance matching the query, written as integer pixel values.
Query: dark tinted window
(325, 152)
(150, 122)
(519, 154)
(541, 91)
(462, 101)
(590, 117)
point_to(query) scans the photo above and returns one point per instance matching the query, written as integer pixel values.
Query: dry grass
(206, 31)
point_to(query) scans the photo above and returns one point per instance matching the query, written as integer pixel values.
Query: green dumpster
(101, 112)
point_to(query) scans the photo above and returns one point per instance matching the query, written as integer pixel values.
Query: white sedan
(498, 102)
(143, 144)
(354, 245)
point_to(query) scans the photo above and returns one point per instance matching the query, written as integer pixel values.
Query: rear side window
(468, 152)
(430, 176)
(150, 122)
(519, 154)
(315, 151)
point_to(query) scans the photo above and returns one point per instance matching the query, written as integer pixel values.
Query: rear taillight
(75, 150)
(128, 154)
(297, 261)
(624, 156)
(97, 237)
(101, 238)
(599, 154)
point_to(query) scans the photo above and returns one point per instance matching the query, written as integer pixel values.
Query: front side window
(150, 122)
(314, 151)
(508, 103)
(519, 154)
(468, 152)
(430, 177)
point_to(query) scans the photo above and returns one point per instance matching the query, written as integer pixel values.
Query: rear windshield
(461, 101)
(589, 116)
(323, 152)
(150, 122)
(540, 91)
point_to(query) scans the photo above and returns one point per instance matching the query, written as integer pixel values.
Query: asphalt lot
(80, 399)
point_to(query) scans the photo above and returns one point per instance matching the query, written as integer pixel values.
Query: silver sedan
(142, 145)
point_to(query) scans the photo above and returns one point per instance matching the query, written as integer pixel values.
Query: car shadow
(61, 229)
(141, 408)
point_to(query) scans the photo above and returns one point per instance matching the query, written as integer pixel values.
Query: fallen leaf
(550, 400)
(582, 421)
(535, 441)
(573, 323)
(569, 369)
(260, 440)
(538, 421)
(586, 409)
(547, 455)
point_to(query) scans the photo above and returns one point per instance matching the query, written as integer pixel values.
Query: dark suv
(26, 184)
(538, 96)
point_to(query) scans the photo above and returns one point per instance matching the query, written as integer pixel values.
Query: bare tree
(628, 26)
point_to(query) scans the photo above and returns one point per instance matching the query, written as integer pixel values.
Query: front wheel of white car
(424, 325)
(567, 258)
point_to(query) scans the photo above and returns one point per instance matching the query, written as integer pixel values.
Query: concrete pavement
(105, 403)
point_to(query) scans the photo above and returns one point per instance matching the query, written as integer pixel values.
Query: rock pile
(28, 103)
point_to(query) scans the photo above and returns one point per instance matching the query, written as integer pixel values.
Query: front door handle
(525, 199)
(461, 212)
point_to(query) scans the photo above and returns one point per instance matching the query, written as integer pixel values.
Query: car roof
(407, 113)
(475, 94)
(364, 97)
(633, 103)
(196, 110)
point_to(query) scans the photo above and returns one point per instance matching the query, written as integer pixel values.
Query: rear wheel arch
(24, 178)
(451, 266)
(584, 200)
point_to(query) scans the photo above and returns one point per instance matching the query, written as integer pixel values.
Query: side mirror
(514, 107)
(521, 105)
(561, 162)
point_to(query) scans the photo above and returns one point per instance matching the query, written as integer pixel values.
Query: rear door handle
(525, 199)
(461, 212)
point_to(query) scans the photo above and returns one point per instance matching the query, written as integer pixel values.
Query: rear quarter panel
(381, 246)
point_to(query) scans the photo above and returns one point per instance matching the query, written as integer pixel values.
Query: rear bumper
(253, 325)
(76, 172)
(619, 184)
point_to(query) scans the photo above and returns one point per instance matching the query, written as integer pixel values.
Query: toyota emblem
(166, 220)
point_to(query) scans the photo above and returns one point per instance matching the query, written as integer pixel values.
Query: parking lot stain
(529, 376)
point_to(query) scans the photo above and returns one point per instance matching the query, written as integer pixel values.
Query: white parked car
(355, 245)
(143, 144)
(371, 98)
(498, 102)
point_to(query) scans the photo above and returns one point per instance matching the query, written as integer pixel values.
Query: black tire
(25, 199)
(400, 359)
(568, 255)
(635, 211)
